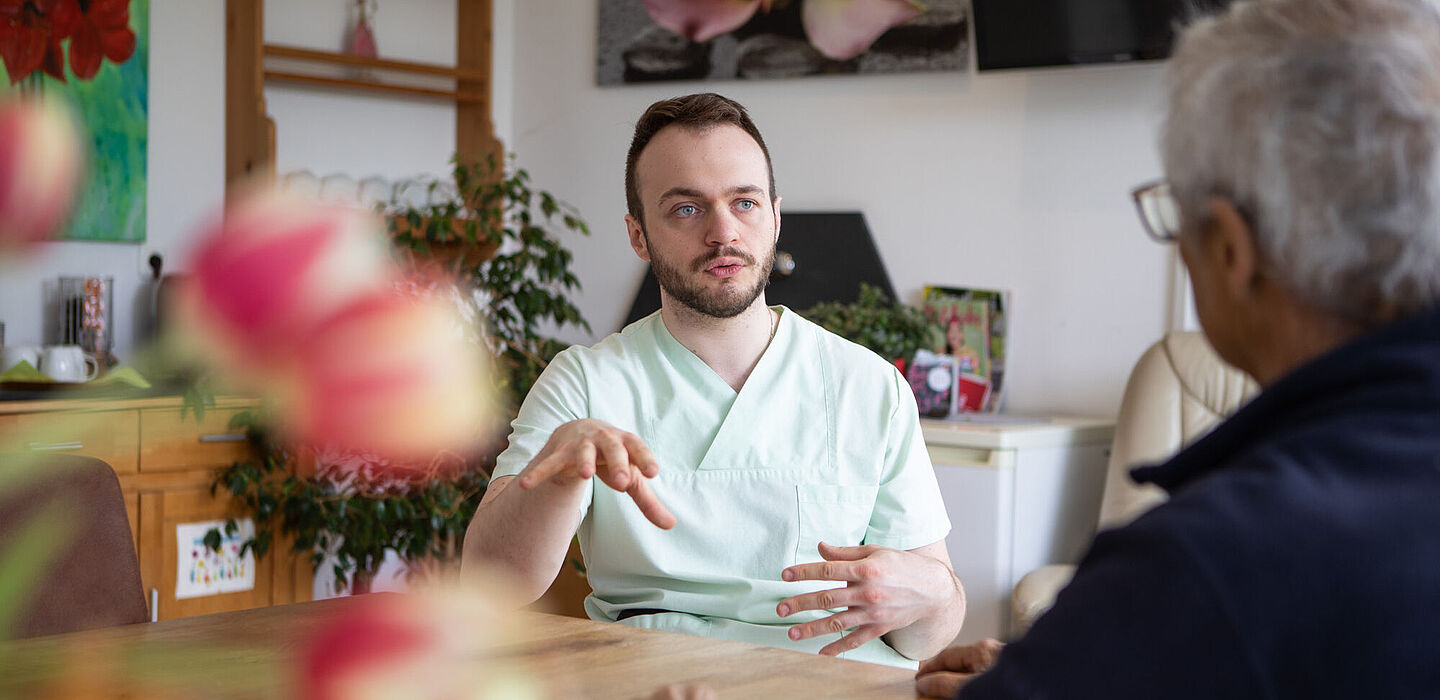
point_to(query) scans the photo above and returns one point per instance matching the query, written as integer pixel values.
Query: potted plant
(893, 330)
(498, 238)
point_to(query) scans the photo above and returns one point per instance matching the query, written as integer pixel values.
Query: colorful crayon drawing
(207, 572)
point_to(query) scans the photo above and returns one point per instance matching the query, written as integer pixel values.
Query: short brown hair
(700, 111)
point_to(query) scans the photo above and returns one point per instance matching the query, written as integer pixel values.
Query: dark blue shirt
(1298, 556)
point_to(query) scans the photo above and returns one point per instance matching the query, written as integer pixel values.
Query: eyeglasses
(1159, 212)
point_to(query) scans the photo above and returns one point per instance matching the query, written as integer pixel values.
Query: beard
(727, 301)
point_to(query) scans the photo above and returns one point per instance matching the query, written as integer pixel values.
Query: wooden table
(252, 653)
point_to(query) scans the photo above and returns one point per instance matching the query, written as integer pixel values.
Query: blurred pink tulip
(436, 644)
(301, 302)
(272, 268)
(390, 374)
(702, 20)
(41, 163)
(844, 29)
(378, 632)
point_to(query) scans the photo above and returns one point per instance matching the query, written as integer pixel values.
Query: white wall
(329, 131)
(1017, 180)
(186, 174)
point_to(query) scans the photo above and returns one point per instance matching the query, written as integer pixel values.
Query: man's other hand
(944, 675)
(886, 589)
(586, 448)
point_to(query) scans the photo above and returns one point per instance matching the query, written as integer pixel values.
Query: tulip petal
(844, 29)
(391, 375)
(40, 166)
(271, 269)
(701, 20)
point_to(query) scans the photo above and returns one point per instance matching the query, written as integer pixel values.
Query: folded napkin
(24, 372)
(121, 375)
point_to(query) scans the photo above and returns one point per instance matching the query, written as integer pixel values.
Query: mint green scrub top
(822, 443)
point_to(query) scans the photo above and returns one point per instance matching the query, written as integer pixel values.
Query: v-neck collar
(744, 404)
(705, 373)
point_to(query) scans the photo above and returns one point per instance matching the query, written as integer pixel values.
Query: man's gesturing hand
(584, 448)
(886, 590)
(951, 669)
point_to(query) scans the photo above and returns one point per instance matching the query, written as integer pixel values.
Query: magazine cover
(972, 322)
(932, 378)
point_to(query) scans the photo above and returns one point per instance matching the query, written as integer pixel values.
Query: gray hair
(1320, 121)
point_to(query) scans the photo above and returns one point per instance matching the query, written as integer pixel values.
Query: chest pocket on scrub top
(835, 515)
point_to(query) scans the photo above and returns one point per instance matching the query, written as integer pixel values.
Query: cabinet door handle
(56, 446)
(154, 605)
(223, 437)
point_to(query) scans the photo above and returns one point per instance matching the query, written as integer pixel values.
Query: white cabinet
(1020, 494)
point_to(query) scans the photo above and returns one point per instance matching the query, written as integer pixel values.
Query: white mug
(68, 363)
(12, 355)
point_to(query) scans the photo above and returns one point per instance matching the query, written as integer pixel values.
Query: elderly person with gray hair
(1299, 554)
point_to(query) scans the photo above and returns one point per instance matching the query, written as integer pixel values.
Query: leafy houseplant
(497, 237)
(527, 281)
(355, 515)
(893, 330)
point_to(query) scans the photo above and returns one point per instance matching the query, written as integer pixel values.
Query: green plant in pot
(893, 330)
(499, 237)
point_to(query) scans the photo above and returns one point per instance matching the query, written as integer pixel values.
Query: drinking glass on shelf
(414, 193)
(375, 193)
(301, 183)
(87, 314)
(340, 189)
(443, 193)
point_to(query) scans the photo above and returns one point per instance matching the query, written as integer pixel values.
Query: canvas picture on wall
(95, 56)
(651, 40)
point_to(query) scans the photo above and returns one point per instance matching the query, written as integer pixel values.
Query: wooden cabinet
(171, 440)
(165, 464)
(1019, 495)
(111, 436)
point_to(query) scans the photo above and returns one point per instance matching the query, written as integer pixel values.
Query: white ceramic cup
(68, 363)
(12, 355)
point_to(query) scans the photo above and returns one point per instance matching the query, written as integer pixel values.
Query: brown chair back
(89, 577)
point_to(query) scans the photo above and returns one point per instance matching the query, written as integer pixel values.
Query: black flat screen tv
(1036, 33)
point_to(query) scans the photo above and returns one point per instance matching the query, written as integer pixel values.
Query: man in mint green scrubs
(760, 479)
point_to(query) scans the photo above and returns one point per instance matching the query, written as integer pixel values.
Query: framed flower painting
(94, 54)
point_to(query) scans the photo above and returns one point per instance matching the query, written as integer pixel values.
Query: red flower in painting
(102, 32)
(31, 32)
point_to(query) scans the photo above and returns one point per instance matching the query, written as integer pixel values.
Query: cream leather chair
(1178, 391)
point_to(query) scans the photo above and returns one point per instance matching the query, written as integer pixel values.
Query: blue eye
(746, 204)
(687, 210)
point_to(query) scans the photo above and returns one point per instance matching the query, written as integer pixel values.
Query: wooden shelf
(345, 59)
(283, 76)
(473, 79)
(250, 133)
